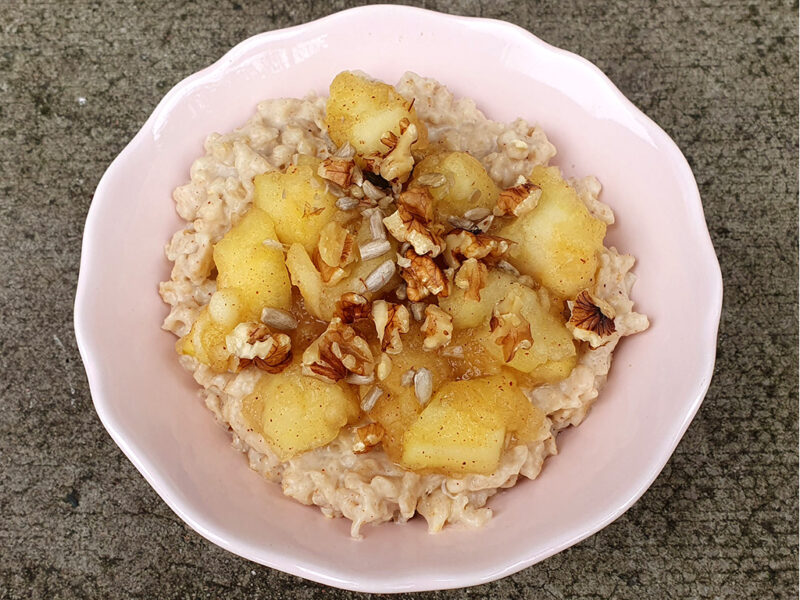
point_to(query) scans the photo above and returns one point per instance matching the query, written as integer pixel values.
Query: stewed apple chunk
(467, 312)
(298, 202)
(398, 406)
(371, 271)
(526, 330)
(295, 413)
(248, 260)
(206, 342)
(463, 428)
(558, 241)
(371, 116)
(458, 183)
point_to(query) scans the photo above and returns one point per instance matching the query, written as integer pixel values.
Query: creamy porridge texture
(331, 328)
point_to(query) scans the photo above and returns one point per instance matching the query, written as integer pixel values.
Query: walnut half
(254, 343)
(471, 276)
(423, 277)
(413, 222)
(391, 320)
(335, 250)
(463, 244)
(398, 164)
(337, 353)
(518, 200)
(338, 170)
(353, 307)
(437, 328)
(591, 319)
(367, 437)
(510, 329)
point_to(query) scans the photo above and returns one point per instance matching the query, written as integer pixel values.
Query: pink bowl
(150, 406)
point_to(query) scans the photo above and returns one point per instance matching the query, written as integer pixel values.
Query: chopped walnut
(464, 244)
(390, 321)
(518, 200)
(255, 343)
(510, 329)
(338, 352)
(338, 170)
(437, 328)
(367, 437)
(591, 319)
(472, 277)
(352, 307)
(335, 250)
(413, 222)
(423, 277)
(398, 164)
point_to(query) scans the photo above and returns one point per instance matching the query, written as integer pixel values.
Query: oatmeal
(394, 303)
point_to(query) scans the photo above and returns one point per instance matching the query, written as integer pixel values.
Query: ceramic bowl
(150, 406)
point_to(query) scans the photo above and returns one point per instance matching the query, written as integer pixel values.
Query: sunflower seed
(346, 203)
(423, 385)
(432, 179)
(345, 151)
(376, 225)
(357, 176)
(371, 191)
(506, 266)
(380, 276)
(453, 351)
(460, 223)
(374, 249)
(360, 379)
(401, 291)
(476, 214)
(279, 319)
(384, 367)
(418, 310)
(368, 401)
(335, 189)
(274, 244)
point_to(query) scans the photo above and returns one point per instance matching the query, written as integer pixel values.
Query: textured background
(77, 80)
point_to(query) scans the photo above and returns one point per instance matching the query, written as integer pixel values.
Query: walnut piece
(398, 164)
(255, 343)
(591, 319)
(367, 437)
(423, 277)
(338, 170)
(472, 277)
(437, 328)
(338, 352)
(518, 200)
(510, 329)
(335, 250)
(413, 222)
(352, 307)
(463, 244)
(391, 320)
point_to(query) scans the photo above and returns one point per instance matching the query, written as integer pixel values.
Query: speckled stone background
(77, 80)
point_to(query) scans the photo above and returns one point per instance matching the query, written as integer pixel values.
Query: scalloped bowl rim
(325, 573)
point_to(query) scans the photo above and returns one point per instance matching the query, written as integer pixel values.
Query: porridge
(392, 302)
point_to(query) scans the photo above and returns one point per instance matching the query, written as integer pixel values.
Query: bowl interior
(150, 405)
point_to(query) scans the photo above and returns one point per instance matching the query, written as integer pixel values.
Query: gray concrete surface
(77, 79)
